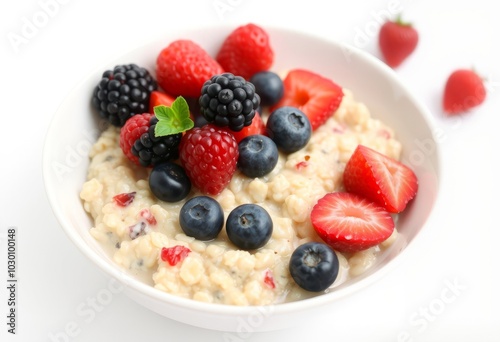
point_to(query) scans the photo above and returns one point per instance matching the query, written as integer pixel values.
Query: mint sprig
(174, 119)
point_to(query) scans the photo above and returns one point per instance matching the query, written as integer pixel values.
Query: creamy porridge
(216, 271)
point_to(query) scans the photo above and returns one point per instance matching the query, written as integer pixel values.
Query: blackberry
(123, 92)
(229, 100)
(153, 150)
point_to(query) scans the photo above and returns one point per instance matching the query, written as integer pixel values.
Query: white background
(54, 278)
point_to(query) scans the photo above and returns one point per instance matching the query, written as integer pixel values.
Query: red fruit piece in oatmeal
(124, 199)
(380, 178)
(148, 216)
(174, 255)
(269, 279)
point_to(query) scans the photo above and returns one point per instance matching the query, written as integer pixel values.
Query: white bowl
(69, 138)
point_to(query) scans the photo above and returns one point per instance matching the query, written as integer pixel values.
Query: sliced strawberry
(158, 98)
(257, 127)
(380, 178)
(350, 223)
(317, 96)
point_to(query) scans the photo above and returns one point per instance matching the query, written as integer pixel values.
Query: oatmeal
(216, 271)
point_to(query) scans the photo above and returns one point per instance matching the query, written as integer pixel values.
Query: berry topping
(269, 86)
(183, 66)
(122, 93)
(229, 100)
(316, 96)
(246, 51)
(149, 140)
(314, 266)
(380, 179)
(464, 90)
(124, 199)
(258, 156)
(152, 150)
(249, 226)
(158, 98)
(174, 255)
(202, 218)
(269, 279)
(350, 223)
(289, 128)
(209, 156)
(140, 144)
(168, 182)
(397, 40)
(257, 127)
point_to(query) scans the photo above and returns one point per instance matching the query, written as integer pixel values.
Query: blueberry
(258, 155)
(289, 128)
(314, 266)
(249, 226)
(169, 182)
(202, 218)
(269, 86)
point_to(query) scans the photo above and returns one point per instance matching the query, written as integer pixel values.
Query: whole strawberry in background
(246, 51)
(464, 90)
(397, 41)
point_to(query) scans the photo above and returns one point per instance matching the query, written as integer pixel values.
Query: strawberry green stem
(400, 21)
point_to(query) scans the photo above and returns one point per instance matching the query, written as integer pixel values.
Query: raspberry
(209, 157)
(123, 92)
(246, 51)
(183, 66)
(142, 147)
(229, 100)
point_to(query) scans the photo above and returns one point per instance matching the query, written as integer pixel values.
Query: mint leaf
(174, 119)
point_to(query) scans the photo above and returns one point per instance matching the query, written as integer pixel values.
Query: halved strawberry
(318, 97)
(158, 98)
(350, 223)
(380, 178)
(256, 127)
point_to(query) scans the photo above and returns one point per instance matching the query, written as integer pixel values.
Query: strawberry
(158, 98)
(316, 96)
(257, 127)
(209, 155)
(464, 90)
(350, 223)
(380, 179)
(246, 51)
(397, 40)
(182, 68)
